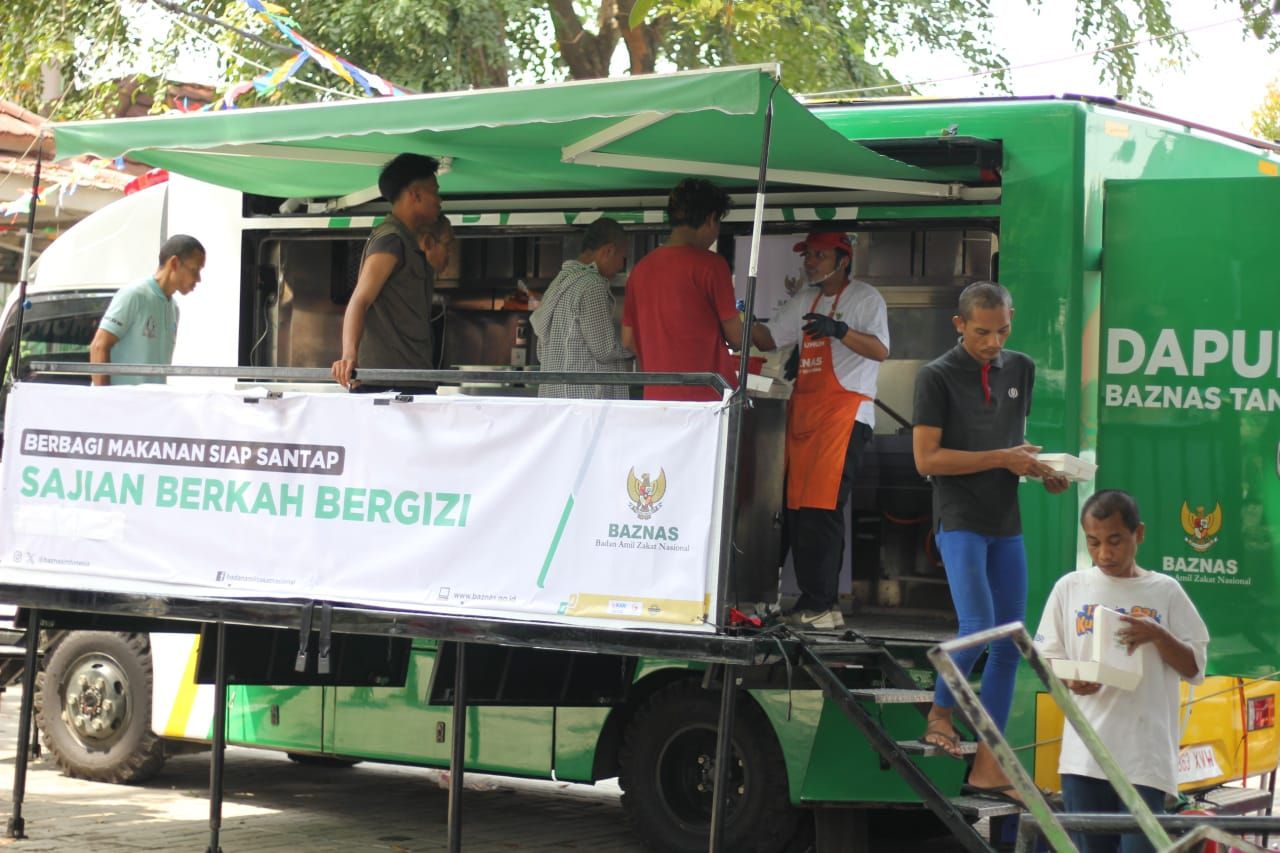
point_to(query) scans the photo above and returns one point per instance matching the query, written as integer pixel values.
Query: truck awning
(639, 133)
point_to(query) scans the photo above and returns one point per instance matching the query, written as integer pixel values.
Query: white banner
(557, 510)
(780, 274)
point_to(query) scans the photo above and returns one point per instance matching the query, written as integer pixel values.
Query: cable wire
(223, 48)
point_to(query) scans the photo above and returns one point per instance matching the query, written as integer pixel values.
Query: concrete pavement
(273, 805)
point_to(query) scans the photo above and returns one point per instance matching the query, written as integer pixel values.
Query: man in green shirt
(141, 323)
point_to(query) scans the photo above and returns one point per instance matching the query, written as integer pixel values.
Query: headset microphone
(827, 276)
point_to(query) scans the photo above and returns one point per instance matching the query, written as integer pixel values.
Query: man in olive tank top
(387, 323)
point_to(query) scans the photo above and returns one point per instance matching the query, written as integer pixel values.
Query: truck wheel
(667, 770)
(94, 707)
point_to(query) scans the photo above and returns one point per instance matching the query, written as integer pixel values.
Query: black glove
(792, 366)
(822, 326)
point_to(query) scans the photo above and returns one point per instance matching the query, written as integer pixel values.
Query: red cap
(819, 240)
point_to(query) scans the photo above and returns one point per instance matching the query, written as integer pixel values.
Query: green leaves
(640, 11)
(439, 45)
(1266, 118)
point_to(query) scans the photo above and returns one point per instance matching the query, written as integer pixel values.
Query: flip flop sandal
(999, 792)
(947, 741)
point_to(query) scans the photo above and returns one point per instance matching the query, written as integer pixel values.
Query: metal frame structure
(1054, 826)
(719, 647)
(48, 607)
(28, 239)
(737, 402)
(148, 612)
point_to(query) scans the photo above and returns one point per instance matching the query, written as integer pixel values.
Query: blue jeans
(1084, 794)
(988, 579)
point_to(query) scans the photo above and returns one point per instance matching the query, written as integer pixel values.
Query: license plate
(1196, 763)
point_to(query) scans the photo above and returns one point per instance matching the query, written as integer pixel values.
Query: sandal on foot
(939, 733)
(997, 792)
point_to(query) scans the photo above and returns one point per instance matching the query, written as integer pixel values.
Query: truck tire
(94, 707)
(667, 770)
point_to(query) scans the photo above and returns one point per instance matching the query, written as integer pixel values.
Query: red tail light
(1261, 712)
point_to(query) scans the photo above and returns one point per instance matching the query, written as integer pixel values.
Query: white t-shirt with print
(1139, 726)
(863, 308)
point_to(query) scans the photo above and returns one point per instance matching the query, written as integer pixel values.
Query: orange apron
(819, 422)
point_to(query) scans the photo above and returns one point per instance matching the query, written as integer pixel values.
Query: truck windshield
(56, 326)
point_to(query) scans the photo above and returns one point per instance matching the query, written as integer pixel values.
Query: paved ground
(275, 805)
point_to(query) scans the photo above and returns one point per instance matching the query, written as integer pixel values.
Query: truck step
(845, 653)
(919, 747)
(892, 695)
(1235, 801)
(977, 808)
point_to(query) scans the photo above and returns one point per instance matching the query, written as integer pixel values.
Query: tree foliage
(439, 45)
(73, 41)
(1112, 28)
(1266, 118)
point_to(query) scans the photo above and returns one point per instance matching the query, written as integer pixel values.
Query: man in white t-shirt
(842, 329)
(1139, 726)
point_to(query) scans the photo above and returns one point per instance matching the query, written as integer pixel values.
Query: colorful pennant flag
(279, 17)
(267, 83)
(78, 173)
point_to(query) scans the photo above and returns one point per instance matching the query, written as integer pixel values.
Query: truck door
(409, 724)
(1189, 395)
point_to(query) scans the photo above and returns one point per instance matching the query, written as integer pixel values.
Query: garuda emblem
(1201, 527)
(646, 495)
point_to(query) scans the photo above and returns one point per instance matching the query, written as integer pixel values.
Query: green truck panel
(289, 718)
(1140, 256)
(1185, 255)
(1190, 397)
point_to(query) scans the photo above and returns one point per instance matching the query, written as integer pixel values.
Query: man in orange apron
(842, 330)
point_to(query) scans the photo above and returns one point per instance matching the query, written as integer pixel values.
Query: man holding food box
(1139, 635)
(969, 437)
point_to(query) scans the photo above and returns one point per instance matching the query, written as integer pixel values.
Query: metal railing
(1043, 819)
(405, 378)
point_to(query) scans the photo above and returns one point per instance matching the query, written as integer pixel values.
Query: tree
(439, 45)
(431, 45)
(425, 45)
(1266, 118)
(855, 28)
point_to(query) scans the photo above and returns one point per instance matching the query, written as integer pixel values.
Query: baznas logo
(646, 496)
(1202, 528)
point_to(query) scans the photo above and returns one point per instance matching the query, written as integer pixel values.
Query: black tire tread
(770, 828)
(138, 765)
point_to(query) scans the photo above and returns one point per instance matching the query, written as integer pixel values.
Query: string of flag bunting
(278, 17)
(273, 14)
(71, 177)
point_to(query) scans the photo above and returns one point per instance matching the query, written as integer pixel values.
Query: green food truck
(1139, 250)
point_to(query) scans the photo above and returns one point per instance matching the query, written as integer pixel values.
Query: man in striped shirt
(574, 323)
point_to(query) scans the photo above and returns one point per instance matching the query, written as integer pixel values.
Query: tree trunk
(587, 54)
(493, 69)
(490, 74)
(640, 41)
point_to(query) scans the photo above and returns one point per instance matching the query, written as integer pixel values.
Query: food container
(1072, 467)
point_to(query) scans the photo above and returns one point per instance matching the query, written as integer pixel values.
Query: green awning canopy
(640, 133)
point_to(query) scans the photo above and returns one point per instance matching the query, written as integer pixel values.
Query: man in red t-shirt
(679, 315)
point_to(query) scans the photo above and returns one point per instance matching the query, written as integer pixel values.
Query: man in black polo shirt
(971, 408)
(387, 323)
